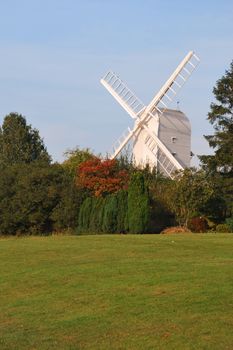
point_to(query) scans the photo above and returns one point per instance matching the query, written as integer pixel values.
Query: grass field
(117, 292)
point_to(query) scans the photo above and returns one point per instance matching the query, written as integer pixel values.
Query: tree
(84, 217)
(19, 142)
(97, 214)
(110, 214)
(101, 177)
(190, 193)
(37, 198)
(28, 195)
(122, 212)
(220, 165)
(65, 214)
(138, 204)
(221, 117)
(75, 157)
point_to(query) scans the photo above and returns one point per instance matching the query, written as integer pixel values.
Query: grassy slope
(117, 292)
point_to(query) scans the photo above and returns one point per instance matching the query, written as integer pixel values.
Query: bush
(222, 228)
(85, 215)
(138, 204)
(175, 229)
(229, 223)
(198, 224)
(122, 212)
(110, 214)
(97, 213)
(29, 196)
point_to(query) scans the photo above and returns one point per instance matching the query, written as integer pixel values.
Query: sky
(54, 52)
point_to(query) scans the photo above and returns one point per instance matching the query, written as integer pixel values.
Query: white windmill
(161, 136)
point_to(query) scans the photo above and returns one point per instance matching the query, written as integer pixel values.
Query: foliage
(65, 213)
(229, 222)
(221, 116)
(160, 193)
(75, 157)
(104, 214)
(220, 165)
(198, 224)
(190, 193)
(85, 215)
(222, 228)
(19, 143)
(110, 214)
(101, 177)
(34, 198)
(122, 212)
(97, 215)
(138, 204)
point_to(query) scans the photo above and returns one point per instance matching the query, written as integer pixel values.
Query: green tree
(122, 212)
(65, 213)
(110, 214)
(84, 216)
(138, 204)
(75, 157)
(28, 195)
(221, 117)
(20, 143)
(220, 164)
(190, 193)
(97, 214)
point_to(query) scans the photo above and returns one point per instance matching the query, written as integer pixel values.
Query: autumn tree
(101, 177)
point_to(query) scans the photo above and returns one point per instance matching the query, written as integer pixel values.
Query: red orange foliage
(101, 176)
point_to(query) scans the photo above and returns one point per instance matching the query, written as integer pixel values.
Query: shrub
(198, 224)
(229, 223)
(97, 213)
(122, 212)
(222, 228)
(85, 215)
(175, 229)
(29, 195)
(138, 204)
(110, 214)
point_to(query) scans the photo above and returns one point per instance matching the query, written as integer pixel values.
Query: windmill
(157, 128)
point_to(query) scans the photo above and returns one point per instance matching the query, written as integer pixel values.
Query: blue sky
(53, 54)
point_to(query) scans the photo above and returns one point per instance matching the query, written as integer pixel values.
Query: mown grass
(117, 292)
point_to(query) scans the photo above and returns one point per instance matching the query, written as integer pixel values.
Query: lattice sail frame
(142, 114)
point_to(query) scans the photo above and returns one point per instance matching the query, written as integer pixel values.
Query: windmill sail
(172, 86)
(156, 107)
(122, 94)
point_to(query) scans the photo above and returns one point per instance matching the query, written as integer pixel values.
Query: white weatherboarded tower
(161, 136)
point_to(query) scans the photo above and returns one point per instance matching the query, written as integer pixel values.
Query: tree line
(88, 194)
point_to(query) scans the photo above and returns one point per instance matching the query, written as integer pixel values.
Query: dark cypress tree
(122, 211)
(96, 219)
(110, 214)
(138, 204)
(85, 215)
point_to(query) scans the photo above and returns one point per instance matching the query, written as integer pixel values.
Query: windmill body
(160, 136)
(174, 130)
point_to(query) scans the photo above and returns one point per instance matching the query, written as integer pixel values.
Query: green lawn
(117, 292)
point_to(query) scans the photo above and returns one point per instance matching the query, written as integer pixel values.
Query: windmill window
(174, 139)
